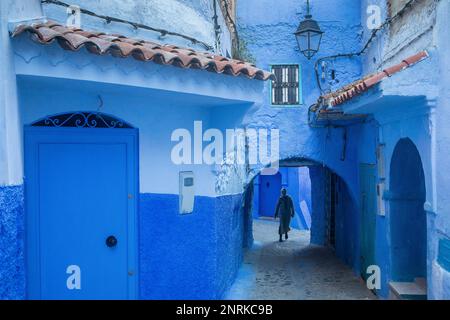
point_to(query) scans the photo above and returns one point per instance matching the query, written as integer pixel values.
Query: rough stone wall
(192, 256)
(190, 17)
(408, 34)
(232, 235)
(12, 263)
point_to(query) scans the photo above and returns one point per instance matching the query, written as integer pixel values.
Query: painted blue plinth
(193, 256)
(12, 273)
(231, 238)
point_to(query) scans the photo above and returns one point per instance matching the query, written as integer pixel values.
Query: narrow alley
(293, 270)
(147, 145)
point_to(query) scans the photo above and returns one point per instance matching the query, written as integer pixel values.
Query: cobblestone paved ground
(293, 270)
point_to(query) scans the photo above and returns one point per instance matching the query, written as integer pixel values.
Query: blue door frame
(124, 141)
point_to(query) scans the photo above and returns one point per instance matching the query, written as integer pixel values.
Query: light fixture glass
(309, 35)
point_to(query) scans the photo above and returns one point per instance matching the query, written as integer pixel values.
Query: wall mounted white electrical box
(187, 192)
(380, 200)
(380, 161)
(73, 16)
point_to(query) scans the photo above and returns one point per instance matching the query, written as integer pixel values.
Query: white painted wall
(193, 18)
(11, 172)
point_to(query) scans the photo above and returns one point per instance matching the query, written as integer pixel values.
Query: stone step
(266, 218)
(409, 290)
(421, 282)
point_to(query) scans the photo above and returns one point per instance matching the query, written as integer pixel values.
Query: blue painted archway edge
(35, 135)
(348, 218)
(407, 216)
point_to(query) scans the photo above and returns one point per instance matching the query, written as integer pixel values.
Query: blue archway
(408, 225)
(334, 211)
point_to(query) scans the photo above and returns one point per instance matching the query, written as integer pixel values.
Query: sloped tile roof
(120, 46)
(356, 88)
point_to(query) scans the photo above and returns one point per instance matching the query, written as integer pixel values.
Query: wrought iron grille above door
(82, 120)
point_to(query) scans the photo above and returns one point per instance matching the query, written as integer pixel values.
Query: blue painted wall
(347, 246)
(193, 256)
(193, 18)
(305, 192)
(416, 112)
(444, 254)
(318, 218)
(269, 39)
(258, 24)
(181, 257)
(233, 234)
(347, 226)
(293, 184)
(12, 265)
(173, 253)
(268, 35)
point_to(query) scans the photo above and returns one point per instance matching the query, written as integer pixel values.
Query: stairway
(416, 290)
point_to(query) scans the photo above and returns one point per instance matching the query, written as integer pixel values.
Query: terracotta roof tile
(119, 46)
(348, 92)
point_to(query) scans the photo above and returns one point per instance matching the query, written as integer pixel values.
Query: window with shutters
(286, 87)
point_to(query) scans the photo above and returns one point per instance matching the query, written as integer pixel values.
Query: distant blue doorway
(81, 207)
(269, 191)
(408, 222)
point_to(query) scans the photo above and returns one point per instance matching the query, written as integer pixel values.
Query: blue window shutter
(286, 87)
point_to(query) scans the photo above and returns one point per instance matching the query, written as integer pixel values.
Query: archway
(408, 226)
(326, 206)
(308, 264)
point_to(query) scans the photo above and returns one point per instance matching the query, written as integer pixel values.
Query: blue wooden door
(81, 189)
(269, 193)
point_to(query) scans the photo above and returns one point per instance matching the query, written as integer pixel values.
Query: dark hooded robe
(284, 210)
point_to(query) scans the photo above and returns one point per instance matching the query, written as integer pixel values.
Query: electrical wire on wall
(320, 102)
(217, 28)
(233, 27)
(372, 37)
(135, 25)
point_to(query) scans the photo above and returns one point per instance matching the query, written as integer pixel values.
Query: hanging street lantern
(308, 35)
